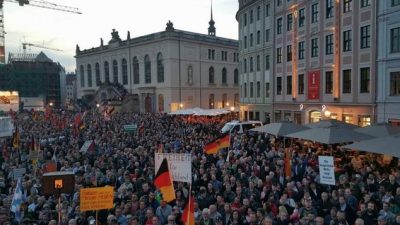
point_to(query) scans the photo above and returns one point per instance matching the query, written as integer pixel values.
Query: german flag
(188, 212)
(163, 181)
(218, 144)
(16, 138)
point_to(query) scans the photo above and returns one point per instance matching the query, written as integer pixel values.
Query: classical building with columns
(165, 71)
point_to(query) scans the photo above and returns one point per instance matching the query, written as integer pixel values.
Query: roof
(180, 34)
(41, 57)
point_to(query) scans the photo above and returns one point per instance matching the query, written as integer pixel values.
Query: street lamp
(97, 105)
(50, 104)
(232, 108)
(181, 105)
(327, 113)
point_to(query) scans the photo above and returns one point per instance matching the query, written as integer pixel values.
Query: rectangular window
(279, 2)
(278, 55)
(251, 40)
(267, 62)
(347, 5)
(267, 9)
(365, 3)
(328, 82)
(251, 16)
(314, 47)
(289, 22)
(279, 85)
(329, 8)
(267, 35)
(257, 116)
(289, 53)
(258, 63)
(245, 41)
(364, 80)
(258, 12)
(301, 84)
(395, 83)
(251, 64)
(302, 17)
(364, 121)
(395, 2)
(347, 41)
(279, 26)
(329, 44)
(301, 50)
(258, 37)
(245, 19)
(314, 13)
(258, 89)
(289, 85)
(346, 81)
(245, 90)
(366, 36)
(267, 90)
(395, 40)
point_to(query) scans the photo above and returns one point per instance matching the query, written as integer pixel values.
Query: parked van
(240, 126)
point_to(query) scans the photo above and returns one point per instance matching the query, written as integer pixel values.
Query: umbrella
(280, 129)
(385, 145)
(379, 130)
(331, 123)
(330, 135)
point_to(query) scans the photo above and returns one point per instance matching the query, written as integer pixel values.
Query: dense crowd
(243, 186)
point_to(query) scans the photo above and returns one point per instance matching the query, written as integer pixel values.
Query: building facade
(70, 88)
(388, 61)
(165, 71)
(33, 76)
(256, 26)
(323, 60)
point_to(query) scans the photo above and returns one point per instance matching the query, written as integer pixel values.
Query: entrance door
(148, 104)
(315, 116)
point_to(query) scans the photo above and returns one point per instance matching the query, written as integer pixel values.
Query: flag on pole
(17, 201)
(163, 181)
(188, 211)
(217, 144)
(16, 138)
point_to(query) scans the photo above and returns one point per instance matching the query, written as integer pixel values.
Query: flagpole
(189, 209)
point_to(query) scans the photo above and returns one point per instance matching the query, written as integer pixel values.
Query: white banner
(326, 170)
(6, 127)
(180, 165)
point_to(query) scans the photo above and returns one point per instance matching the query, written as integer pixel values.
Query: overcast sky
(61, 30)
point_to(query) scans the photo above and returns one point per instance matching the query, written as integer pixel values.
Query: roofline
(176, 34)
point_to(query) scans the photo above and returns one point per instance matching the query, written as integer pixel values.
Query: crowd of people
(245, 185)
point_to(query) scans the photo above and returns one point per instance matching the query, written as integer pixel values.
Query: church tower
(211, 28)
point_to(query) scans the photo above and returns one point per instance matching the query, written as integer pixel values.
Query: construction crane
(24, 44)
(36, 3)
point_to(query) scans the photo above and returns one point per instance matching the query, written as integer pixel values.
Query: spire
(211, 28)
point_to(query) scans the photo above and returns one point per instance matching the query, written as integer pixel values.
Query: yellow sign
(96, 198)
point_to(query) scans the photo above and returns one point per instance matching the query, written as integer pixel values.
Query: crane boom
(46, 5)
(24, 44)
(36, 3)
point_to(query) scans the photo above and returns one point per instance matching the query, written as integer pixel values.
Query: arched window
(147, 69)
(224, 76)
(251, 64)
(190, 75)
(115, 71)
(136, 77)
(236, 100)
(245, 65)
(211, 75)
(124, 72)
(224, 100)
(160, 68)
(89, 73)
(211, 101)
(97, 73)
(161, 103)
(82, 74)
(236, 77)
(245, 90)
(106, 72)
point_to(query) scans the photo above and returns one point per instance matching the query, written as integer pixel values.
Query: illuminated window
(364, 121)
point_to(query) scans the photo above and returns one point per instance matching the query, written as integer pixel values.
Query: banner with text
(326, 170)
(6, 127)
(313, 85)
(180, 165)
(96, 198)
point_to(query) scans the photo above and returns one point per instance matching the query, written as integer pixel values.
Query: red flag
(288, 163)
(188, 212)
(217, 144)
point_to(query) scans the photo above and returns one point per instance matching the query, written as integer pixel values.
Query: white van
(240, 126)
